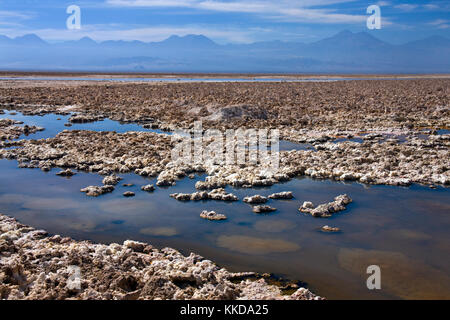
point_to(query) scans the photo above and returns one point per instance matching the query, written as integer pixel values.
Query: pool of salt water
(53, 126)
(403, 230)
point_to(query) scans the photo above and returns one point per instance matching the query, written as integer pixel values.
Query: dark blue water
(54, 124)
(403, 230)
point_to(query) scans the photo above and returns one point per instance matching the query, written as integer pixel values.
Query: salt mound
(237, 111)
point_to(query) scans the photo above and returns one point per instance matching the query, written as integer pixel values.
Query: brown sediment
(34, 265)
(159, 231)
(255, 245)
(397, 270)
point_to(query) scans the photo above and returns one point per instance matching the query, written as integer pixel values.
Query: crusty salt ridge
(328, 209)
(111, 180)
(341, 105)
(85, 118)
(212, 215)
(330, 229)
(263, 209)
(315, 113)
(95, 191)
(217, 194)
(149, 154)
(255, 199)
(148, 188)
(285, 195)
(9, 130)
(66, 173)
(34, 265)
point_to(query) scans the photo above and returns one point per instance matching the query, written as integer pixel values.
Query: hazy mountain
(5, 40)
(29, 40)
(86, 41)
(346, 38)
(187, 42)
(344, 52)
(427, 43)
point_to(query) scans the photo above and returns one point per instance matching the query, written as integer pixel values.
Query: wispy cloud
(441, 23)
(406, 6)
(6, 15)
(311, 11)
(383, 3)
(430, 6)
(13, 19)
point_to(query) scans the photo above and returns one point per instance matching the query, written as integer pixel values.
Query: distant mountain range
(345, 52)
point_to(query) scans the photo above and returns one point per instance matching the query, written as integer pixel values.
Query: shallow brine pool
(402, 230)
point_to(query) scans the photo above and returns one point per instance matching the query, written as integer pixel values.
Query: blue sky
(225, 21)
